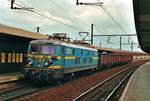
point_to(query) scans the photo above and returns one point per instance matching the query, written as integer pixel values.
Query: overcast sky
(78, 17)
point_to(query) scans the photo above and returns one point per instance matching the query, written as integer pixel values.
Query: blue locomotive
(49, 60)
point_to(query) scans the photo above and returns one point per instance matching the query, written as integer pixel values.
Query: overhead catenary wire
(63, 9)
(120, 15)
(41, 14)
(117, 10)
(67, 12)
(113, 19)
(72, 27)
(33, 11)
(45, 16)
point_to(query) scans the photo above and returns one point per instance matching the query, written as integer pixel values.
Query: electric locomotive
(50, 60)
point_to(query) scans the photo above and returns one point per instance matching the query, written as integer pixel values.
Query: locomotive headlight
(46, 63)
(30, 63)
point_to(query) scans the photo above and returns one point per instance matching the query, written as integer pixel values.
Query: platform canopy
(7, 30)
(142, 21)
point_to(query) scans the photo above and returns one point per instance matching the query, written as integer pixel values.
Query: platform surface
(7, 77)
(138, 87)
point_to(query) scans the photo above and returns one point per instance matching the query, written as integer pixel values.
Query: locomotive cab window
(42, 48)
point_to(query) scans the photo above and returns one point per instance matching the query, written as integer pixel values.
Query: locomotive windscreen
(42, 48)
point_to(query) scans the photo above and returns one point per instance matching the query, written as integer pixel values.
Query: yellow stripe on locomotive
(69, 57)
(55, 67)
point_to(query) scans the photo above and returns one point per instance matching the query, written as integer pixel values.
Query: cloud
(67, 12)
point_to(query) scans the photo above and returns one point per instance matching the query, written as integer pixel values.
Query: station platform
(8, 77)
(138, 87)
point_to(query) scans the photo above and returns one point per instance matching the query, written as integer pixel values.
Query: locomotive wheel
(38, 77)
(99, 67)
(49, 80)
(35, 78)
(28, 75)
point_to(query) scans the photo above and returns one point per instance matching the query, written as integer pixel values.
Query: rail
(19, 91)
(92, 93)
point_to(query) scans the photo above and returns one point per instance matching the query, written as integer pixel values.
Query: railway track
(105, 90)
(16, 92)
(77, 87)
(9, 85)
